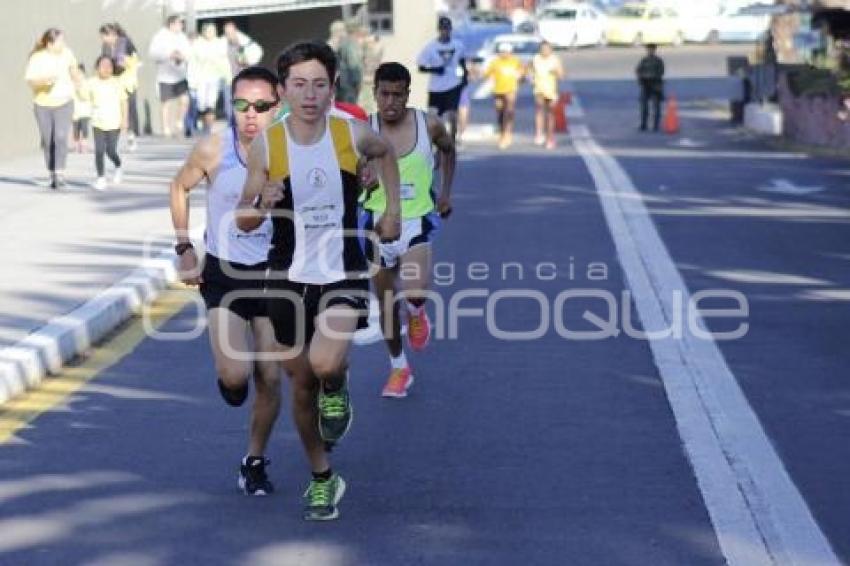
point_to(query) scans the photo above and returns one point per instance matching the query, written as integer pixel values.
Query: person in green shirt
(405, 264)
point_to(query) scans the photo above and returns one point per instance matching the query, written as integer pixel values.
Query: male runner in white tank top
(303, 171)
(406, 263)
(235, 264)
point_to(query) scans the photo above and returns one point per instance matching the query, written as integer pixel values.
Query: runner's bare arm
(258, 196)
(374, 146)
(448, 161)
(201, 161)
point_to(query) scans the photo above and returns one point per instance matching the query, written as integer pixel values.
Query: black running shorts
(170, 91)
(293, 307)
(447, 101)
(223, 283)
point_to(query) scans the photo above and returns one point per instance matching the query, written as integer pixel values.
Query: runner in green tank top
(406, 262)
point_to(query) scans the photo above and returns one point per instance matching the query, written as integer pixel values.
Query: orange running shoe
(418, 329)
(399, 382)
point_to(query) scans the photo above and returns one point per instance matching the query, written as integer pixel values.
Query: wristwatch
(181, 248)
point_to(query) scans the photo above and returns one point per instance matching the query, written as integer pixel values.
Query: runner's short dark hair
(255, 73)
(392, 72)
(306, 51)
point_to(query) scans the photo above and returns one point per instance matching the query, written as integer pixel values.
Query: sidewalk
(61, 249)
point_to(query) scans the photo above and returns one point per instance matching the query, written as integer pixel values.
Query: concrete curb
(24, 365)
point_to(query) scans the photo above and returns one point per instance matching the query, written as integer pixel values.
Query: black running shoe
(233, 397)
(252, 476)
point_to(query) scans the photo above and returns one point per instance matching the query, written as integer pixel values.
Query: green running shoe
(335, 413)
(321, 498)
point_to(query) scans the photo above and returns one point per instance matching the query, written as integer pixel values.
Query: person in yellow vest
(303, 172)
(52, 74)
(546, 71)
(506, 71)
(109, 117)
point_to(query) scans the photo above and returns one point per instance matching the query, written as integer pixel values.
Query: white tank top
(223, 238)
(316, 237)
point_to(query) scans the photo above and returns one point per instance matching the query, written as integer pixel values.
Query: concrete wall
(414, 25)
(80, 21)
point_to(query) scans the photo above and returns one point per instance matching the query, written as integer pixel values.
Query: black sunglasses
(261, 106)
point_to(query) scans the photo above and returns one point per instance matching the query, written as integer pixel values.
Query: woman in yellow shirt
(52, 75)
(507, 71)
(547, 71)
(108, 117)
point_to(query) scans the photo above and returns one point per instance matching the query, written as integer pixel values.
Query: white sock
(399, 362)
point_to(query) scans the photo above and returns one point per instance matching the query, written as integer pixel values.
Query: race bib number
(321, 216)
(408, 191)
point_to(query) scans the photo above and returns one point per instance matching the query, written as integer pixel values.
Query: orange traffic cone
(671, 117)
(560, 112)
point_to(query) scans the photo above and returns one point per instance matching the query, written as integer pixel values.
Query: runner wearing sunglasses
(233, 275)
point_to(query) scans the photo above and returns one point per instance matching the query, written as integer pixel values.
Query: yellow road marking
(17, 413)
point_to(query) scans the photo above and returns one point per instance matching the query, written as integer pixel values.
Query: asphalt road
(541, 451)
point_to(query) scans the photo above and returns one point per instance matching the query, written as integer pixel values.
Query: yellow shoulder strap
(277, 153)
(343, 144)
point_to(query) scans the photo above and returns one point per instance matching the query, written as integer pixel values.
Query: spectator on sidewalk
(170, 50)
(52, 74)
(350, 59)
(190, 120)
(118, 45)
(373, 56)
(109, 116)
(82, 117)
(650, 76)
(208, 64)
(242, 52)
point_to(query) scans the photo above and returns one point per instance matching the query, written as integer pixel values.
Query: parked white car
(729, 22)
(748, 24)
(571, 24)
(699, 20)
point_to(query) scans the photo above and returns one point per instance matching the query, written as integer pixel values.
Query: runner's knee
(326, 367)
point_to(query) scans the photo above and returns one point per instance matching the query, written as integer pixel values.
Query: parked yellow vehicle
(636, 24)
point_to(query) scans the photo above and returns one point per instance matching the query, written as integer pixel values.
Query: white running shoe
(118, 176)
(99, 184)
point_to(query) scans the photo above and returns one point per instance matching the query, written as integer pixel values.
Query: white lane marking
(688, 143)
(757, 512)
(786, 187)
